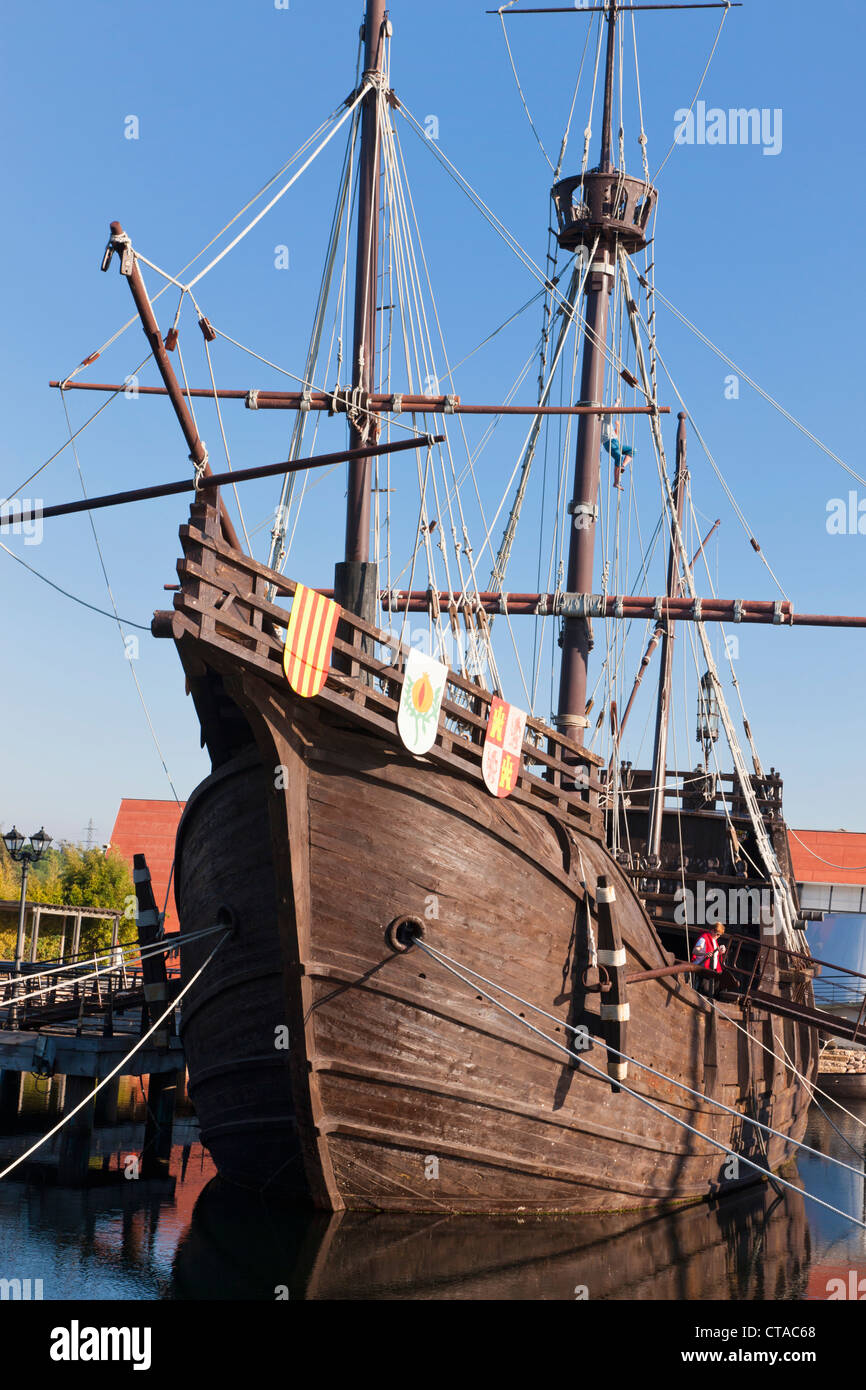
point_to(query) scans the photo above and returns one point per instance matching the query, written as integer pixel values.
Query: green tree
(90, 878)
(10, 878)
(68, 874)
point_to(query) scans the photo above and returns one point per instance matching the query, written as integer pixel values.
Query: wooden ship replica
(347, 1046)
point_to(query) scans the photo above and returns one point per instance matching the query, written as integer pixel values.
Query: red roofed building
(150, 828)
(830, 869)
(828, 856)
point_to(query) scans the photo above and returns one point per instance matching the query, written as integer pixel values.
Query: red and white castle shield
(503, 747)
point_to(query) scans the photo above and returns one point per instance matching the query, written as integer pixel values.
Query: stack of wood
(842, 1059)
(842, 1072)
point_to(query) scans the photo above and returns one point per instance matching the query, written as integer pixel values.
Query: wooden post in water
(106, 1103)
(161, 1086)
(159, 1124)
(11, 1086)
(77, 1134)
(153, 966)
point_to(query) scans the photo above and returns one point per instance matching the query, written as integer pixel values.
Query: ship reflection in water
(192, 1236)
(766, 1243)
(755, 1246)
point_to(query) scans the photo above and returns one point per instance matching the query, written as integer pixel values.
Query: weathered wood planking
(393, 1061)
(402, 1088)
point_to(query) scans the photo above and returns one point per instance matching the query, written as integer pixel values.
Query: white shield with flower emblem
(421, 701)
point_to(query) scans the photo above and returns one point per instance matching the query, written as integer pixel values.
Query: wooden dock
(82, 1025)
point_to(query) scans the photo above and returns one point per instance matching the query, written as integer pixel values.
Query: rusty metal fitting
(403, 932)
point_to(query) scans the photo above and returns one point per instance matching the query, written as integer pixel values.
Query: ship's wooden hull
(326, 1065)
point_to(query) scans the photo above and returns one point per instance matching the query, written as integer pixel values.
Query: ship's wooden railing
(772, 979)
(754, 967)
(223, 602)
(760, 970)
(714, 792)
(660, 899)
(757, 966)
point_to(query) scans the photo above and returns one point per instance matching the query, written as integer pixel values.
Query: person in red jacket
(708, 953)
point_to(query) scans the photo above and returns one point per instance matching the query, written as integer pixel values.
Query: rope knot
(199, 468)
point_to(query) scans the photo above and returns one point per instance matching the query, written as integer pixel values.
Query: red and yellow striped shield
(309, 637)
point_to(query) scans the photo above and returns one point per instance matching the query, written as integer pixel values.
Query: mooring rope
(740, 1158)
(121, 1064)
(700, 1095)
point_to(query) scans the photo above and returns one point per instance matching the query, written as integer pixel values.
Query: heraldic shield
(503, 747)
(309, 638)
(421, 702)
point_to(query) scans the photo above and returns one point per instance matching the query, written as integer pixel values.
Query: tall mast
(356, 578)
(584, 510)
(607, 117)
(660, 747)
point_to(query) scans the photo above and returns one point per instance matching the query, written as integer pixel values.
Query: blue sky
(760, 251)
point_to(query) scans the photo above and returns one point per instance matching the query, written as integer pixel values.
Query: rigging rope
(103, 612)
(644, 1066)
(522, 97)
(522, 310)
(502, 231)
(783, 895)
(117, 617)
(527, 453)
(564, 146)
(700, 84)
(359, 97)
(232, 220)
(792, 1067)
(105, 404)
(278, 550)
(225, 442)
(750, 381)
(723, 482)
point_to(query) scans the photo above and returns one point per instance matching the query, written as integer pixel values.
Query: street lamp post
(25, 853)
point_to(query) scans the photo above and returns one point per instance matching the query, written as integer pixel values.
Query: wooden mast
(660, 747)
(571, 716)
(356, 578)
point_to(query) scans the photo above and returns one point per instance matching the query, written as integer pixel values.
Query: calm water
(191, 1236)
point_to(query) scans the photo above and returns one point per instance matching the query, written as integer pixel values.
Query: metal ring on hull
(403, 933)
